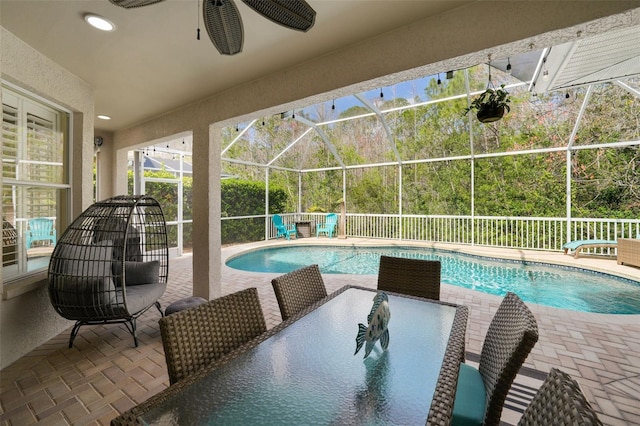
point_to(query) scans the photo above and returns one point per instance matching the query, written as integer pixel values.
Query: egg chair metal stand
(111, 264)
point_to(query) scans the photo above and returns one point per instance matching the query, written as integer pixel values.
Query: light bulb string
(198, 13)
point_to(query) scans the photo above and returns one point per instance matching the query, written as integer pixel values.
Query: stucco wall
(28, 320)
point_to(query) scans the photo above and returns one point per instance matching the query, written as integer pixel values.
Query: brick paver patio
(104, 375)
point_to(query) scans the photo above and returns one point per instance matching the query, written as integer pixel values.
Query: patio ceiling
(152, 63)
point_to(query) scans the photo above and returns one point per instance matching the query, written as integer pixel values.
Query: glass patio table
(304, 371)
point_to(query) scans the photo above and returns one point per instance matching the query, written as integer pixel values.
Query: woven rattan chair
(298, 289)
(481, 392)
(111, 264)
(414, 277)
(559, 401)
(195, 337)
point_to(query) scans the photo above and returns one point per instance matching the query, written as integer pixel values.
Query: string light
(509, 65)
(439, 81)
(198, 32)
(293, 115)
(381, 94)
(333, 105)
(545, 73)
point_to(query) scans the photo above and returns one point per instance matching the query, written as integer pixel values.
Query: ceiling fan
(223, 23)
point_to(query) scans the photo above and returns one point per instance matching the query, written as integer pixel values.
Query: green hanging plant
(490, 105)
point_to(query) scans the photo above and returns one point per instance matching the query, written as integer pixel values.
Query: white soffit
(605, 57)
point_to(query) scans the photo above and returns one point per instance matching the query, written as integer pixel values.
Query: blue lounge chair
(283, 230)
(40, 229)
(579, 245)
(328, 226)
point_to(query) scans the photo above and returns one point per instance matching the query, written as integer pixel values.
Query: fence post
(342, 231)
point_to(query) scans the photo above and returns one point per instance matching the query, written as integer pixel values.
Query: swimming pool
(558, 286)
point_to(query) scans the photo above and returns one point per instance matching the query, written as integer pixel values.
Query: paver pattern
(103, 375)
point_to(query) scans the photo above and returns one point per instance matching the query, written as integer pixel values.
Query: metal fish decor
(378, 321)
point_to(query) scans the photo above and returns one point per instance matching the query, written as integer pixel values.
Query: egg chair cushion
(87, 261)
(140, 297)
(137, 273)
(85, 277)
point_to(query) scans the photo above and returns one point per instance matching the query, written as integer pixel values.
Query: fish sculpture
(378, 321)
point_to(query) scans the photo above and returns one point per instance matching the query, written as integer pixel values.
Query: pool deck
(104, 375)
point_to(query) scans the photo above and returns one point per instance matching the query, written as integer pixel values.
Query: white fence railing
(533, 233)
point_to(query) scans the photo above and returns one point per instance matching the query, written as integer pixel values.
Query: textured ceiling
(153, 63)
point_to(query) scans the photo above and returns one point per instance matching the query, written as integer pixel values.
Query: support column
(207, 271)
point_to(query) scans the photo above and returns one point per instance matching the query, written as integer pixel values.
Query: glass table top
(307, 373)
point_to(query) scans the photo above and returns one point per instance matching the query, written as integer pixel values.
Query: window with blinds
(34, 182)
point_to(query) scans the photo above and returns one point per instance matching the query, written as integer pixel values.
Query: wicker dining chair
(195, 337)
(413, 277)
(298, 289)
(559, 401)
(481, 392)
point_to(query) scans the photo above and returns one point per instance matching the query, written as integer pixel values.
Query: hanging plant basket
(488, 113)
(491, 105)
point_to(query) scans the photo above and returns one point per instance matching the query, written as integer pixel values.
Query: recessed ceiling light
(104, 117)
(99, 22)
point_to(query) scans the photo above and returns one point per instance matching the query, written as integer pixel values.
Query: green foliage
(238, 198)
(166, 194)
(605, 182)
(247, 198)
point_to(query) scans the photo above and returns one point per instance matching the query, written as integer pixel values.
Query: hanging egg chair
(111, 264)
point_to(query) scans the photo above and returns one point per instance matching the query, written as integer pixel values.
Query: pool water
(558, 286)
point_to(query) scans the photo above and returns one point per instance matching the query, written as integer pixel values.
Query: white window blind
(9, 141)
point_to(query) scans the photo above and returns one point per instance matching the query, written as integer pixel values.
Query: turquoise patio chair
(283, 230)
(40, 229)
(328, 226)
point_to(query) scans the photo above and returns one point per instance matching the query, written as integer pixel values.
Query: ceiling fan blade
(224, 26)
(130, 4)
(293, 14)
